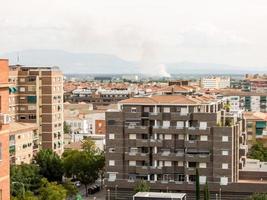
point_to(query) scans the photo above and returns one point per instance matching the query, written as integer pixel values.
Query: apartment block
(215, 82)
(256, 127)
(23, 142)
(36, 96)
(4, 131)
(164, 139)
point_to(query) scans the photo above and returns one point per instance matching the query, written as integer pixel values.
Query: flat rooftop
(161, 195)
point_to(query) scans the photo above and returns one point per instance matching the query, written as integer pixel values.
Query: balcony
(133, 115)
(197, 157)
(136, 156)
(156, 143)
(180, 116)
(168, 156)
(155, 116)
(137, 129)
(198, 130)
(142, 169)
(142, 143)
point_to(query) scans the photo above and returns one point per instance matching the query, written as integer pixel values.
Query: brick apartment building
(163, 139)
(4, 131)
(36, 96)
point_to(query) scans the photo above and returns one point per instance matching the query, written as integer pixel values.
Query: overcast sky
(227, 31)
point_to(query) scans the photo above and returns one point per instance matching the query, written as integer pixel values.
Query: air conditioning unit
(5, 119)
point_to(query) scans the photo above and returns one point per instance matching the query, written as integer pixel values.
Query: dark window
(111, 122)
(31, 99)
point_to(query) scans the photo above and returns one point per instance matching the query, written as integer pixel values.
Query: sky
(232, 32)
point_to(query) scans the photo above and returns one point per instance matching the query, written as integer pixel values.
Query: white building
(215, 82)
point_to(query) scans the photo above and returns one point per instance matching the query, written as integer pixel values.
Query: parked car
(93, 189)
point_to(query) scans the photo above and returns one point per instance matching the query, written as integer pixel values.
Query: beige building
(36, 96)
(23, 142)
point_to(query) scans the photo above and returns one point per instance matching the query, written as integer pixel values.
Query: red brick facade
(4, 132)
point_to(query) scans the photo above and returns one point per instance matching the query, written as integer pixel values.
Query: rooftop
(161, 195)
(170, 99)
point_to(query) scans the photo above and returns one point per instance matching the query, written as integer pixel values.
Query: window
(31, 88)
(0, 151)
(22, 98)
(112, 177)
(22, 80)
(132, 163)
(132, 136)
(180, 163)
(22, 89)
(224, 165)
(166, 109)
(224, 180)
(225, 152)
(111, 136)
(168, 137)
(111, 162)
(181, 137)
(133, 110)
(31, 99)
(167, 163)
(32, 107)
(203, 138)
(111, 150)
(166, 124)
(22, 108)
(184, 111)
(203, 125)
(202, 179)
(225, 138)
(146, 109)
(180, 124)
(202, 165)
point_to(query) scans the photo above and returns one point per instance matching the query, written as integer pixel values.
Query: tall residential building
(4, 131)
(255, 83)
(164, 139)
(36, 96)
(215, 82)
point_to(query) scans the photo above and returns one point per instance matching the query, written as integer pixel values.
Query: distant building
(255, 83)
(215, 82)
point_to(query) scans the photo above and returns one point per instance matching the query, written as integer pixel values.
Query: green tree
(206, 192)
(66, 128)
(258, 196)
(197, 185)
(85, 165)
(70, 188)
(258, 151)
(51, 191)
(142, 186)
(51, 166)
(24, 178)
(28, 196)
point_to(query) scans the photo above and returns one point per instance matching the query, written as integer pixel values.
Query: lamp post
(108, 194)
(23, 187)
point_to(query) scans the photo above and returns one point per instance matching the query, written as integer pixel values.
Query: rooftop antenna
(18, 58)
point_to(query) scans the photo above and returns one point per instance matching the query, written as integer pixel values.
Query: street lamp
(108, 194)
(23, 187)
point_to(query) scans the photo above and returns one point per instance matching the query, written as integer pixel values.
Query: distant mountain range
(110, 64)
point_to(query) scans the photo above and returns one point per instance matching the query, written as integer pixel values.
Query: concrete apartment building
(256, 127)
(36, 96)
(4, 131)
(215, 82)
(163, 139)
(23, 142)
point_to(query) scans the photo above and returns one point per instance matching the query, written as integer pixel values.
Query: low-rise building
(23, 142)
(215, 82)
(256, 127)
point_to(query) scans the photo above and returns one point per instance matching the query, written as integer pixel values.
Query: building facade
(4, 131)
(23, 142)
(164, 139)
(216, 82)
(36, 96)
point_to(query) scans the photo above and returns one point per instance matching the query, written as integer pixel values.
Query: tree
(51, 166)
(51, 191)
(197, 185)
(66, 128)
(28, 196)
(258, 151)
(206, 192)
(258, 196)
(70, 188)
(24, 178)
(84, 165)
(142, 186)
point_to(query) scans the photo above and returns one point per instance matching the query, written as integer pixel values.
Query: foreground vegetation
(48, 177)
